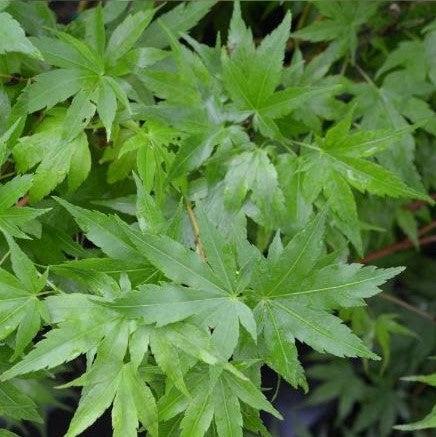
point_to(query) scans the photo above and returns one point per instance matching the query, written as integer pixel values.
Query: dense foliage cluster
(178, 216)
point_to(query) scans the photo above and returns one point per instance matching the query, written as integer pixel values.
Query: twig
(427, 228)
(418, 204)
(303, 16)
(196, 229)
(407, 306)
(82, 5)
(12, 77)
(402, 245)
(365, 76)
(396, 247)
(301, 21)
(276, 391)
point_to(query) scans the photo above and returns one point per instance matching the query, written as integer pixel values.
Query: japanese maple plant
(177, 217)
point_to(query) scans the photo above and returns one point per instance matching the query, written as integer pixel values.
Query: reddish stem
(23, 201)
(396, 247)
(402, 245)
(418, 204)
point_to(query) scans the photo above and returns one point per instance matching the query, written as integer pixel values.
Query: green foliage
(177, 217)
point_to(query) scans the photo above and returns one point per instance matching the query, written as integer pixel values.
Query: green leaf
(219, 252)
(101, 381)
(150, 217)
(61, 54)
(16, 405)
(251, 76)
(60, 345)
(319, 329)
(179, 19)
(341, 201)
(24, 269)
(13, 38)
(280, 351)
(106, 106)
(13, 190)
(133, 401)
(426, 379)
(168, 360)
(177, 262)
(169, 303)
(105, 231)
(198, 416)
(427, 422)
(341, 23)
(248, 393)
(253, 171)
(126, 34)
(227, 411)
(371, 177)
(341, 285)
(56, 86)
(296, 260)
(95, 31)
(57, 156)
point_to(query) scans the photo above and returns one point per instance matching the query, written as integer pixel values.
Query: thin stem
(276, 391)
(82, 5)
(302, 20)
(7, 175)
(344, 65)
(303, 144)
(408, 306)
(11, 77)
(196, 229)
(418, 204)
(365, 76)
(54, 287)
(427, 228)
(5, 256)
(396, 247)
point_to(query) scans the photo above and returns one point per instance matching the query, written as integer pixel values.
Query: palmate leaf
(397, 100)
(214, 305)
(82, 67)
(108, 381)
(291, 306)
(218, 397)
(55, 156)
(251, 75)
(20, 307)
(337, 380)
(234, 247)
(167, 303)
(60, 345)
(12, 218)
(179, 19)
(345, 152)
(341, 24)
(81, 326)
(339, 162)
